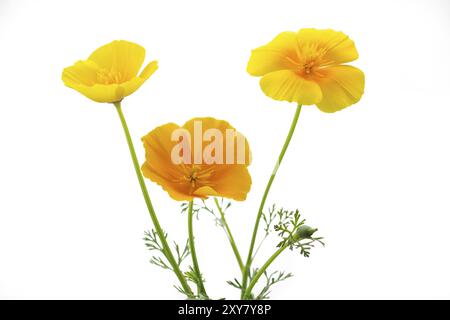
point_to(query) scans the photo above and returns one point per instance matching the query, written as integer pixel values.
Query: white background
(373, 178)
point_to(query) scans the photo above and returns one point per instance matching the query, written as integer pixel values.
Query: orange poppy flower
(205, 157)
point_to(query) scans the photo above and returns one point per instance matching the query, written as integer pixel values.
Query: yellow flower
(110, 72)
(220, 173)
(307, 67)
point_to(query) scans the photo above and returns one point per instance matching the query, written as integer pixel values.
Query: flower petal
(100, 92)
(82, 72)
(233, 183)
(158, 165)
(149, 70)
(120, 56)
(205, 192)
(236, 154)
(175, 191)
(341, 87)
(337, 46)
(279, 54)
(131, 86)
(158, 150)
(286, 85)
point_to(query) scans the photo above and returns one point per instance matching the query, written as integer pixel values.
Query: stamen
(196, 175)
(109, 76)
(307, 68)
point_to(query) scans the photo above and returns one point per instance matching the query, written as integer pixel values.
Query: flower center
(308, 67)
(105, 76)
(198, 176)
(192, 178)
(311, 60)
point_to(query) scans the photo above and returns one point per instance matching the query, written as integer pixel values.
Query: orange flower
(205, 157)
(307, 67)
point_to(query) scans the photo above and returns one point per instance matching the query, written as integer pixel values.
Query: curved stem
(261, 271)
(263, 200)
(230, 236)
(200, 285)
(167, 252)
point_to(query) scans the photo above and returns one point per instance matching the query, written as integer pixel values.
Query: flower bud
(304, 232)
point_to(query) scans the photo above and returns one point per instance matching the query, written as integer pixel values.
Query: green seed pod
(304, 232)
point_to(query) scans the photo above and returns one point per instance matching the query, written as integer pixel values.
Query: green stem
(230, 236)
(263, 200)
(248, 291)
(167, 252)
(200, 285)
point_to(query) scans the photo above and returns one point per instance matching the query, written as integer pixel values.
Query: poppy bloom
(110, 73)
(205, 157)
(307, 67)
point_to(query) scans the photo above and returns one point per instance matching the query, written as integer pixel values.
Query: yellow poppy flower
(110, 72)
(203, 172)
(307, 67)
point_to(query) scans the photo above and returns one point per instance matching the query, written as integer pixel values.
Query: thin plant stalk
(166, 249)
(248, 291)
(248, 263)
(200, 285)
(230, 236)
